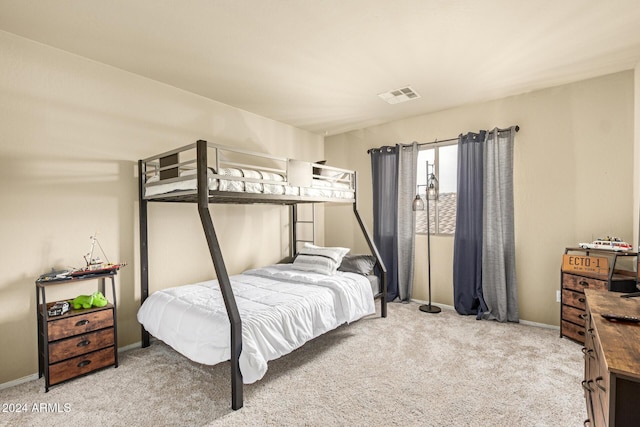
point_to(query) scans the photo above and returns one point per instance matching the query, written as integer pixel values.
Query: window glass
(443, 163)
(424, 156)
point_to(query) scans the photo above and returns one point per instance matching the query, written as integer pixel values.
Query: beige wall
(71, 132)
(573, 179)
(636, 159)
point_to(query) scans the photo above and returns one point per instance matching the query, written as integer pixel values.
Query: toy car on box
(58, 309)
(610, 243)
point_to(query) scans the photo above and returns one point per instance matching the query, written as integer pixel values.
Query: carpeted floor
(410, 369)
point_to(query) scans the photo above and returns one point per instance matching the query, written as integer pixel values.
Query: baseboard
(19, 381)
(33, 377)
(524, 322)
(130, 347)
(540, 325)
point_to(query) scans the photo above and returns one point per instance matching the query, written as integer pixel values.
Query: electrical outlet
(557, 296)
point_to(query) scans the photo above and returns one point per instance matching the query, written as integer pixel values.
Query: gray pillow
(361, 264)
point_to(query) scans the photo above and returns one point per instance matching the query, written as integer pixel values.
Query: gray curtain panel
(394, 184)
(406, 220)
(385, 202)
(467, 243)
(498, 248)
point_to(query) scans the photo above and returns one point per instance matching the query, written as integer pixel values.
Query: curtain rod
(455, 139)
(445, 140)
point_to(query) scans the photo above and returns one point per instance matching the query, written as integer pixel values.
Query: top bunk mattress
(267, 183)
(243, 175)
(281, 308)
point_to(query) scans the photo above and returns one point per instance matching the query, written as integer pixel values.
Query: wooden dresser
(77, 342)
(612, 361)
(604, 271)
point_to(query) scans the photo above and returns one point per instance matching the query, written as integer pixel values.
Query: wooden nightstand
(79, 341)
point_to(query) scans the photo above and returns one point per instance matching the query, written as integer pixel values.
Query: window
(443, 162)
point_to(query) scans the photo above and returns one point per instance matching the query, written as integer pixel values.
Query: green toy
(96, 299)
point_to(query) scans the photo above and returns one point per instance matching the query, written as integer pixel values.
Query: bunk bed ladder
(222, 275)
(296, 220)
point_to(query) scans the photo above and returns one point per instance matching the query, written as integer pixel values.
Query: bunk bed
(203, 173)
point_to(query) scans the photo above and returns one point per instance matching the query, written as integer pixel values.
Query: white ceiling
(319, 64)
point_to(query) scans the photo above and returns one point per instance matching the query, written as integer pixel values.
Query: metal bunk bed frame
(204, 198)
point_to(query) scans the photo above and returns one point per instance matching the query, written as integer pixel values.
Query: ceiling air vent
(397, 96)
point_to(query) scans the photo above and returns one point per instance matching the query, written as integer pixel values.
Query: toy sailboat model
(95, 264)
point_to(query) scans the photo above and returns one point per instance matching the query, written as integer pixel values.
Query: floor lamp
(418, 205)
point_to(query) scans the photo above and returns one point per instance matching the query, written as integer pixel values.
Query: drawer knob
(82, 322)
(583, 283)
(84, 363)
(83, 343)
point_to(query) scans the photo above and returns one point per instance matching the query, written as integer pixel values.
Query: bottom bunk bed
(261, 314)
(281, 307)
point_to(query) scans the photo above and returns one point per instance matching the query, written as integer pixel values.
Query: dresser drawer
(81, 365)
(580, 283)
(573, 331)
(80, 324)
(573, 298)
(573, 315)
(80, 344)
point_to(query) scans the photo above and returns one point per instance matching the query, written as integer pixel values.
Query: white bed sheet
(319, 188)
(281, 309)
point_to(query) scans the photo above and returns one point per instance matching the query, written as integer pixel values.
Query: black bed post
(144, 248)
(294, 230)
(373, 249)
(221, 273)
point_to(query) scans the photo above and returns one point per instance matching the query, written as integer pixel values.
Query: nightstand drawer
(80, 324)
(574, 299)
(580, 283)
(80, 344)
(81, 365)
(573, 315)
(573, 331)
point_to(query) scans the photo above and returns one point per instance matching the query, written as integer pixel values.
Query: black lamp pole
(431, 193)
(428, 308)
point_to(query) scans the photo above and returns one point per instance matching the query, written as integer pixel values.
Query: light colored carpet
(410, 369)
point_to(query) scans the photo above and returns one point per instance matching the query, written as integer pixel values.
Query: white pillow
(318, 259)
(333, 176)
